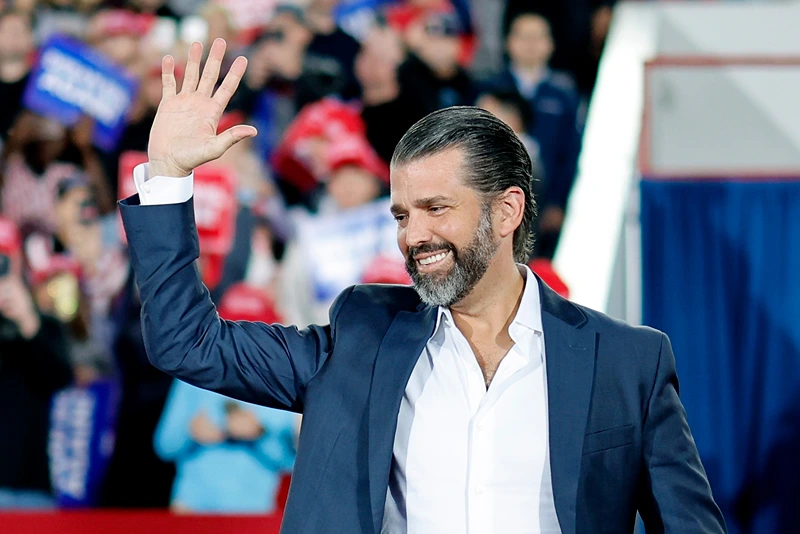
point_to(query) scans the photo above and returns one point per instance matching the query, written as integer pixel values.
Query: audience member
(432, 76)
(229, 454)
(118, 34)
(32, 170)
(268, 92)
(410, 17)
(387, 112)
(104, 266)
(16, 50)
(556, 128)
(334, 247)
(34, 364)
(579, 30)
(331, 53)
(57, 292)
(510, 107)
(300, 161)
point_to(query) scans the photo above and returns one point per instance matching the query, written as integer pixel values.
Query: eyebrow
(422, 203)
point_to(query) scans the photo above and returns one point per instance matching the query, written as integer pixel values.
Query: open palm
(184, 133)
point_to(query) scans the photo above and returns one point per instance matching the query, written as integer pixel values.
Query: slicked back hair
(495, 158)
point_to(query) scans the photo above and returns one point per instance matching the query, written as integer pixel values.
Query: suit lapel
(397, 355)
(570, 358)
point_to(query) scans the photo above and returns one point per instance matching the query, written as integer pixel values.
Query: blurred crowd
(287, 220)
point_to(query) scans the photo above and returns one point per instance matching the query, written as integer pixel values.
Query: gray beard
(470, 265)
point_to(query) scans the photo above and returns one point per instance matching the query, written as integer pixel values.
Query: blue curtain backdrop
(721, 276)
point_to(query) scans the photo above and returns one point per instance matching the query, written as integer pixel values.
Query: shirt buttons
(479, 490)
(481, 426)
(146, 188)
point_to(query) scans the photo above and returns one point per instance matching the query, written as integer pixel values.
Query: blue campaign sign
(71, 79)
(356, 17)
(81, 441)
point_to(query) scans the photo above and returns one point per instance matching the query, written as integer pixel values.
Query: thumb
(221, 143)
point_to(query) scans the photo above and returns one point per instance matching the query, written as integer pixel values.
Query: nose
(416, 232)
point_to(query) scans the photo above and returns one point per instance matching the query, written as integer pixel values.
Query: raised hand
(184, 133)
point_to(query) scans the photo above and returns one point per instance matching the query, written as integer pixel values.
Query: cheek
(446, 230)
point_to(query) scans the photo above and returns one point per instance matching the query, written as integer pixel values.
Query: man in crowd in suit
(478, 400)
(556, 127)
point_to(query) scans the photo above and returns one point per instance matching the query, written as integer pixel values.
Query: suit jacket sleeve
(184, 336)
(677, 496)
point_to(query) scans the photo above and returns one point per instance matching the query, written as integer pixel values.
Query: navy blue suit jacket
(619, 441)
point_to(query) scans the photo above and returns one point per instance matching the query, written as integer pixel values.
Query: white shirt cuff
(156, 190)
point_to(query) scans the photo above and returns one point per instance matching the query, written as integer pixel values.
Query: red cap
(243, 302)
(113, 22)
(56, 264)
(385, 270)
(326, 120)
(356, 150)
(544, 268)
(9, 238)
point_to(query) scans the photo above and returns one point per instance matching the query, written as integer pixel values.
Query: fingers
(192, 68)
(231, 82)
(221, 143)
(211, 70)
(168, 85)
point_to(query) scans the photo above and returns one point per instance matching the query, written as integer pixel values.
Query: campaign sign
(214, 201)
(81, 441)
(357, 17)
(214, 209)
(340, 247)
(71, 79)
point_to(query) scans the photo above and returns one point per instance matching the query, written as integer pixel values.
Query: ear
(509, 210)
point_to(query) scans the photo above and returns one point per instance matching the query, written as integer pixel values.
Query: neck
(531, 71)
(494, 301)
(13, 70)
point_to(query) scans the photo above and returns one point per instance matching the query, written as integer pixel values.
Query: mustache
(431, 248)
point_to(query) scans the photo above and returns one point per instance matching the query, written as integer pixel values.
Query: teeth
(433, 259)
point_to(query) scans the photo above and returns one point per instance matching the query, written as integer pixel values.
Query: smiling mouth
(432, 260)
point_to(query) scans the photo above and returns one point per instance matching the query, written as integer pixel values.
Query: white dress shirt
(155, 190)
(466, 459)
(472, 460)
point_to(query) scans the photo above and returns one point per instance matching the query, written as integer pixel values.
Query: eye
(400, 218)
(437, 209)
